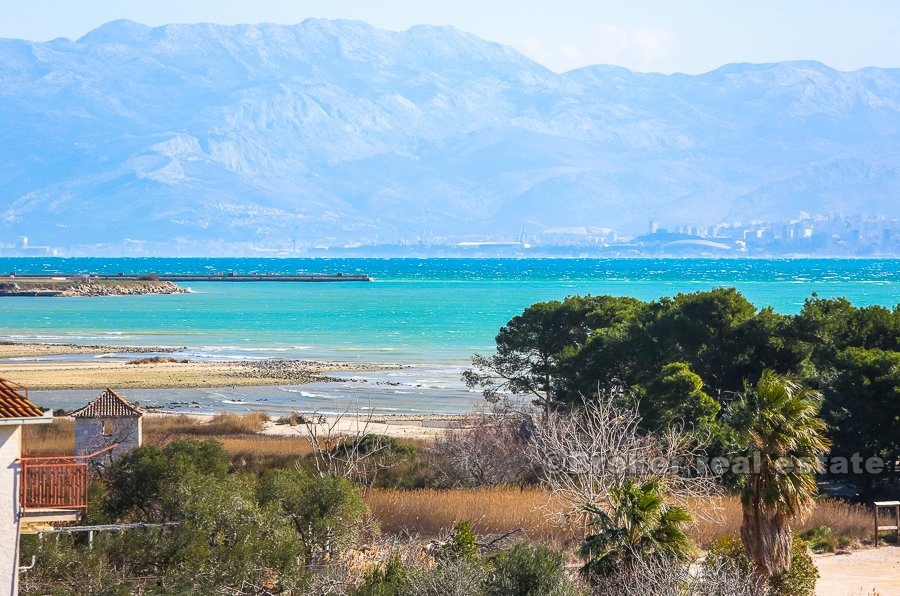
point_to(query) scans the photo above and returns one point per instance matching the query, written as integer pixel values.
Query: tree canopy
(686, 358)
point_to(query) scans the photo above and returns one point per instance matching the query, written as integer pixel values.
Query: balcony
(53, 489)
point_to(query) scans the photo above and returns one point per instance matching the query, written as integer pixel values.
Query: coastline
(44, 367)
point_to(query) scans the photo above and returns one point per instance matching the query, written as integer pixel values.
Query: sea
(422, 317)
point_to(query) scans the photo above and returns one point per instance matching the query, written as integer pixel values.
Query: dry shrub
(583, 456)
(488, 452)
(292, 419)
(429, 512)
(56, 438)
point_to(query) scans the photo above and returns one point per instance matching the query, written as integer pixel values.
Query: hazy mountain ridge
(330, 132)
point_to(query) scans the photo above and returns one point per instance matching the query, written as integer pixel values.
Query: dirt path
(866, 572)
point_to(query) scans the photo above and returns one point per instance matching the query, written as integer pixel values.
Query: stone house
(108, 420)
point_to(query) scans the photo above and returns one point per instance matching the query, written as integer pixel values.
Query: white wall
(10, 450)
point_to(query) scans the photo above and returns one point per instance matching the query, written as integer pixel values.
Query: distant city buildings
(22, 248)
(806, 235)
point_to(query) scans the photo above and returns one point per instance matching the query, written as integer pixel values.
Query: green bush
(326, 512)
(799, 580)
(461, 546)
(136, 482)
(225, 538)
(225, 542)
(820, 539)
(729, 549)
(527, 570)
(386, 580)
(371, 443)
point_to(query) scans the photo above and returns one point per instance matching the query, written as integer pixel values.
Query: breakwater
(181, 277)
(81, 286)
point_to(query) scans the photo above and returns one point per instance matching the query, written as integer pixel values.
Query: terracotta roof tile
(108, 404)
(14, 402)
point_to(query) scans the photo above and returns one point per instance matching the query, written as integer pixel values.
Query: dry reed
(499, 510)
(161, 428)
(57, 438)
(429, 512)
(227, 424)
(265, 452)
(844, 519)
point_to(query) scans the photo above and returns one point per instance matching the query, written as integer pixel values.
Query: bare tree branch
(596, 447)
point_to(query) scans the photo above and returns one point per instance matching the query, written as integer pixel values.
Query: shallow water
(430, 313)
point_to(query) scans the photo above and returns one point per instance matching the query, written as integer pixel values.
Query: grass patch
(238, 433)
(158, 429)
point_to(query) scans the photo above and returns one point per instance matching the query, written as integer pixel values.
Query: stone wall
(94, 434)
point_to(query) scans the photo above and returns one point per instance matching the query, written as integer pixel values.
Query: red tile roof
(14, 402)
(108, 404)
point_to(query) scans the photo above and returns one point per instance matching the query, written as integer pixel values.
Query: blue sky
(689, 36)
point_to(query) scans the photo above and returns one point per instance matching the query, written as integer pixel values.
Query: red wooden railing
(55, 481)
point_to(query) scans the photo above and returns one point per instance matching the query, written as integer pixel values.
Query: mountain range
(208, 139)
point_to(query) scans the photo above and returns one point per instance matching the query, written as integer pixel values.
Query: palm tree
(641, 524)
(778, 423)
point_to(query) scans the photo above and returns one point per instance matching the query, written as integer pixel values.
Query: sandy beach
(400, 426)
(34, 366)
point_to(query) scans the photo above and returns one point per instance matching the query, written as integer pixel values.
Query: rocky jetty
(82, 285)
(124, 288)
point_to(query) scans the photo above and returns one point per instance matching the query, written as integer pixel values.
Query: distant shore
(33, 366)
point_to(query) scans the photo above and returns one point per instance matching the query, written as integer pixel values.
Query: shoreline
(46, 367)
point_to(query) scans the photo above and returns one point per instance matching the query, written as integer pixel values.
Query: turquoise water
(436, 310)
(432, 314)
